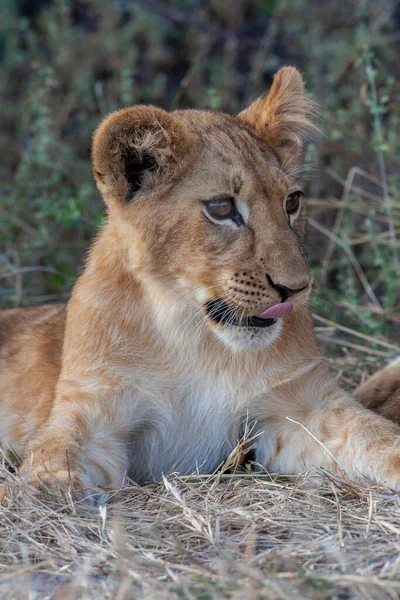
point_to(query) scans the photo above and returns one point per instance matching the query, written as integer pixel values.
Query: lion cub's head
(210, 208)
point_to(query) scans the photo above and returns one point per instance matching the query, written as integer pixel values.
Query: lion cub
(191, 320)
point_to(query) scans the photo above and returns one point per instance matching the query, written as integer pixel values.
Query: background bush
(66, 63)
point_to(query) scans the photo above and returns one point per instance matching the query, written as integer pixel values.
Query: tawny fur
(381, 392)
(133, 377)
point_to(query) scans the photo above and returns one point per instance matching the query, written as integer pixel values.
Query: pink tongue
(278, 310)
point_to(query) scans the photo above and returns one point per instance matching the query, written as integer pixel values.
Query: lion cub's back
(30, 358)
(381, 392)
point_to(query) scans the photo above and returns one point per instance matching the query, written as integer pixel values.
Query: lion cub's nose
(285, 291)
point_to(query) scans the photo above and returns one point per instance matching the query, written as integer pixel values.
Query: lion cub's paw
(60, 479)
(37, 480)
(50, 475)
(386, 470)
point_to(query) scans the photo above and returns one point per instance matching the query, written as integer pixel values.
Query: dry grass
(239, 536)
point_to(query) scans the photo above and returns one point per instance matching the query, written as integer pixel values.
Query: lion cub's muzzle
(220, 312)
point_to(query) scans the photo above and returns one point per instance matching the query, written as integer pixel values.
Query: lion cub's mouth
(220, 312)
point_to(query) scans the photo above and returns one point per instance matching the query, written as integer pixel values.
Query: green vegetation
(67, 63)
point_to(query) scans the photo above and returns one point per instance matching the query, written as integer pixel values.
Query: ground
(248, 535)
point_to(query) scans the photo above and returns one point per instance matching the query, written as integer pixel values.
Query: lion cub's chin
(240, 339)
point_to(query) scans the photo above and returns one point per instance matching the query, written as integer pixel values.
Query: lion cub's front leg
(313, 423)
(84, 445)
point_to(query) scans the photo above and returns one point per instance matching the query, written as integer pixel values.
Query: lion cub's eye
(292, 203)
(223, 208)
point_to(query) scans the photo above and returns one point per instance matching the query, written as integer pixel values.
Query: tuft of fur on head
(283, 117)
(135, 149)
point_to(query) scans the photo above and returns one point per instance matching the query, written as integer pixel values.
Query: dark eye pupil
(292, 203)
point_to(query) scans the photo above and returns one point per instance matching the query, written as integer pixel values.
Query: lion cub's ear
(282, 117)
(135, 149)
